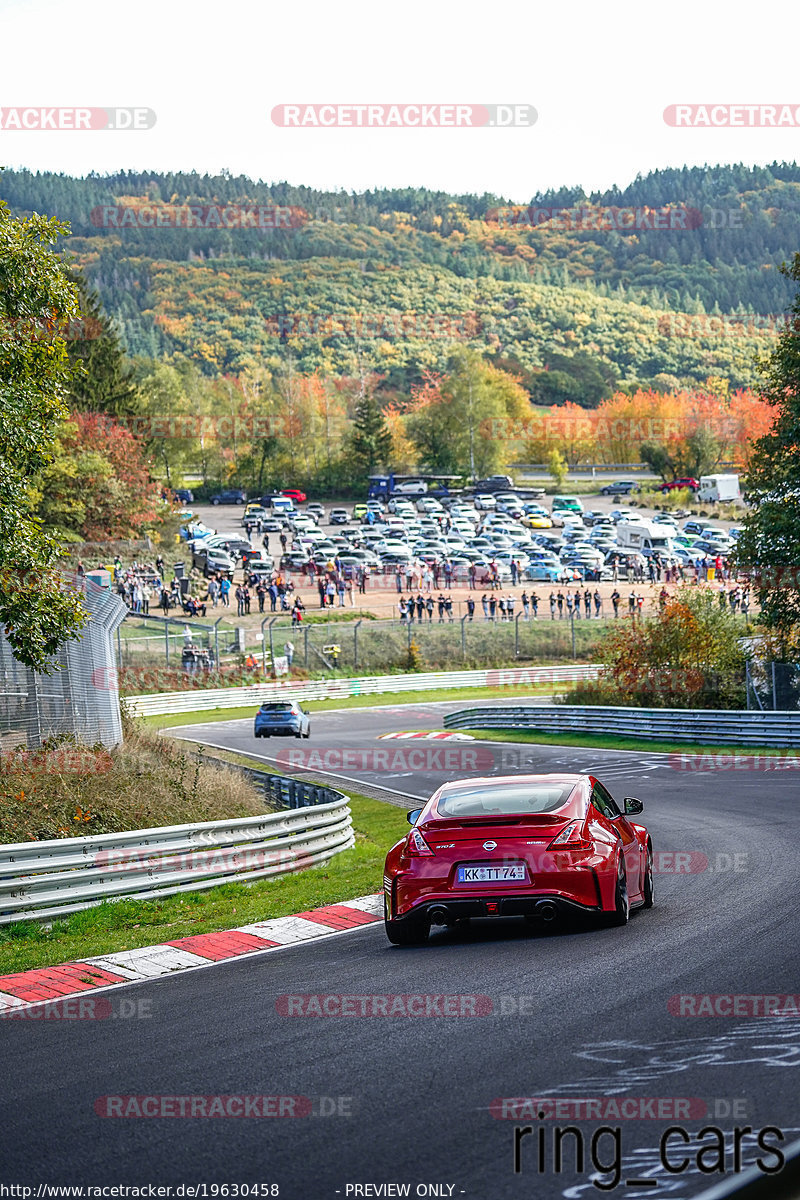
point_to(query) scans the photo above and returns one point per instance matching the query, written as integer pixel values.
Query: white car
(410, 487)
(485, 502)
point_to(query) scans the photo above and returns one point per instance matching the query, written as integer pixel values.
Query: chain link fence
(773, 687)
(374, 646)
(80, 699)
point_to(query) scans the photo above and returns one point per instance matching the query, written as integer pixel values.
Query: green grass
(609, 742)
(385, 698)
(128, 924)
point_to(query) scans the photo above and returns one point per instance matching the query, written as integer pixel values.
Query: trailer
(384, 487)
(715, 488)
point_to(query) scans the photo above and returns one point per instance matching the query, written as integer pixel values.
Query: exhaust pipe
(546, 910)
(438, 915)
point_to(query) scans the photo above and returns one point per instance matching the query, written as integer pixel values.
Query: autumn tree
(464, 426)
(770, 539)
(97, 486)
(689, 655)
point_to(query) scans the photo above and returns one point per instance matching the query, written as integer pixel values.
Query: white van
(646, 537)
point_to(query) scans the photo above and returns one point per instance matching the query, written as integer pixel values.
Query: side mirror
(632, 806)
(413, 815)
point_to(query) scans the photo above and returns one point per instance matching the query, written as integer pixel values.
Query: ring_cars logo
(490, 845)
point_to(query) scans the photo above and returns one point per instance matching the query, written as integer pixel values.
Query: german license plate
(472, 873)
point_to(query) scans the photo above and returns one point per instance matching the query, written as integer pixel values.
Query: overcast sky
(599, 76)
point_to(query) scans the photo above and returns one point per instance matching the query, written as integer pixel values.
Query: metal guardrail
(698, 726)
(43, 880)
(328, 689)
(295, 793)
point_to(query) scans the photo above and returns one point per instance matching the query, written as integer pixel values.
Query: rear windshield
(516, 798)
(271, 708)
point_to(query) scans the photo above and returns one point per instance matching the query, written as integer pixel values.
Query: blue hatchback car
(282, 718)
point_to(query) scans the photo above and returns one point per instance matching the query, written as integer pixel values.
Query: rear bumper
(277, 731)
(458, 908)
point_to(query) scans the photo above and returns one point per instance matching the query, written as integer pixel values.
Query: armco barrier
(330, 689)
(41, 880)
(698, 726)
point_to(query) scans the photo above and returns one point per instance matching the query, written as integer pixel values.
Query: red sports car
(537, 846)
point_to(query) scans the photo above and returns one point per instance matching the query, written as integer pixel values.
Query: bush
(67, 790)
(687, 656)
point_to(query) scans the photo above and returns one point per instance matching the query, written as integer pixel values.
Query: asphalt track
(576, 1014)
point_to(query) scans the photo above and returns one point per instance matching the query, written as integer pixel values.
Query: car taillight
(417, 847)
(571, 838)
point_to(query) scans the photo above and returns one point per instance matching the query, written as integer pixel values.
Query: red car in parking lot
(536, 846)
(295, 494)
(685, 482)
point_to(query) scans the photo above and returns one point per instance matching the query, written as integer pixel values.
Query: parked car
(622, 487)
(212, 559)
(338, 516)
(230, 496)
(295, 494)
(495, 483)
(254, 512)
(697, 525)
(484, 501)
(183, 495)
(685, 481)
(282, 718)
